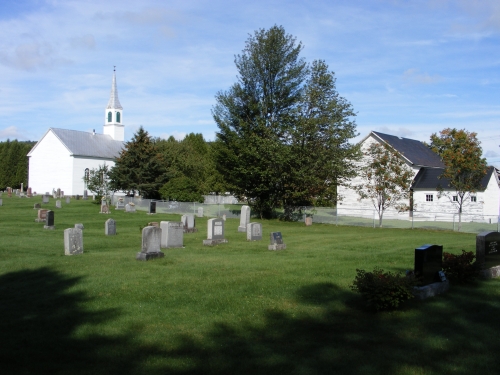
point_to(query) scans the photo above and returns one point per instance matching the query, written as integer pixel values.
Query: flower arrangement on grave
(132, 204)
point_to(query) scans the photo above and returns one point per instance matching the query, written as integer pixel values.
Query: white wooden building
(427, 167)
(61, 157)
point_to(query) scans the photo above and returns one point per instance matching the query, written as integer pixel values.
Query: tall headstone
(244, 218)
(200, 212)
(110, 227)
(276, 241)
(85, 195)
(189, 223)
(42, 216)
(104, 207)
(488, 253)
(215, 232)
(152, 208)
(29, 193)
(58, 204)
(45, 198)
(254, 231)
(49, 220)
(172, 234)
(151, 243)
(428, 263)
(58, 193)
(73, 241)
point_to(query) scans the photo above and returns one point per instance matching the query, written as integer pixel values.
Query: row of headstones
(429, 258)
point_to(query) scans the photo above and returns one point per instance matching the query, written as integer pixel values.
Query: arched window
(109, 116)
(117, 116)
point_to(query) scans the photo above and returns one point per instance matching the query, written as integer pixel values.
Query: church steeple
(113, 117)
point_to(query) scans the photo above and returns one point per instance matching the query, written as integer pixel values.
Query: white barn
(427, 167)
(61, 157)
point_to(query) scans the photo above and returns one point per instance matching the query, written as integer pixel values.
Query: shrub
(383, 290)
(460, 268)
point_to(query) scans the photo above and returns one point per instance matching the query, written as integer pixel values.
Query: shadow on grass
(456, 333)
(39, 319)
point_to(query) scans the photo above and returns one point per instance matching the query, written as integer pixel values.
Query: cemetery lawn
(236, 308)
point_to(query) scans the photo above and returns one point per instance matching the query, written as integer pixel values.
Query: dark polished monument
(428, 263)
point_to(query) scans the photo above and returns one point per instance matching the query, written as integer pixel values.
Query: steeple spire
(113, 115)
(114, 102)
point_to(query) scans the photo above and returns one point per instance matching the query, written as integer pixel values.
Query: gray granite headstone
(45, 198)
(49, 220)
(58, 204)
(37, 206)
(110, 227)
(276, 241)
(188, 222)
(120, 205)
(68, 200)
(85, 195)
(172, 234)
(244, 218)
(73, 241)
(254, 231)
(152, 208)
(58, 193)
(79, 226)
(151, 244)
(200, 212)
(488, 253)
(215, 232)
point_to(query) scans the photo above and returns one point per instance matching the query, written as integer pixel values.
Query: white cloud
(12, 132)
(86, 42)
(31, 56)
(414, 76)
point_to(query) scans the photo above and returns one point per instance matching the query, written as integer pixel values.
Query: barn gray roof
(414, 151)
(428, 179)
(89, 144)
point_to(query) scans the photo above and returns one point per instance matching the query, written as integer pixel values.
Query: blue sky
(409, 68)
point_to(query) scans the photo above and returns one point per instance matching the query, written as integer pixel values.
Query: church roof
(416, 152)
(87, 144)
(114, 102)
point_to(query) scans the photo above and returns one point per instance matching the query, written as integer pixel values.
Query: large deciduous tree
(283, 128)
(461, 153)
(386, 179)
(140, 167)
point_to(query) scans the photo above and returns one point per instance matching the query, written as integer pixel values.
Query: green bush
(461, 268)
(383, 290)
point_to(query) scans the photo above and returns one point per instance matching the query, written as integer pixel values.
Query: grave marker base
(50, 227)
(214, 242)
(242, 229)
(431, 290)
(277, 247)
(148, 256)
(490, 273)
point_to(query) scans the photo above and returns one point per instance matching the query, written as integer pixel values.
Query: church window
(109, 116)
(117, 116)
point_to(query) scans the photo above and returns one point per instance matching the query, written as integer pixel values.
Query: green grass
(236, 308)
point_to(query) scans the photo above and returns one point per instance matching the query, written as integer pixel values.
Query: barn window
(473, 198)
(429, 197)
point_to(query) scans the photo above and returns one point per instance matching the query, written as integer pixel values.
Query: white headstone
(58, 204)
(254, 231)
(151, 244)
(244, 218)
(73, 241)
(215, 232)
(172, 234)
(188, 222)
(200, 211)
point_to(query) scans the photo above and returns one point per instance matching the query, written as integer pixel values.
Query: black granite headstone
(152, 207)
(428, 263)
(488, 249)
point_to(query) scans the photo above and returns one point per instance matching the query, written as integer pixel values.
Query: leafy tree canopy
(283, 128)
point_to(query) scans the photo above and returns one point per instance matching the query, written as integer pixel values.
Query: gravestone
(37, 206)
(58, 204)
(130, 207)
(215, 232)
(77, 197)
(45, 199)
(308, 221)
(85, 195)
(73, 241)
(110, 227)
(29, 193)
(58, 193)
(79, 226)
(276, 241)
(189, 223)
(49, 220)
(254, 231)
(488, 253)
(104, 208)
(172, 234)
(61, 195)
(68, 199)
(1, 202)
(224, 217)
(244, 218)
(120, 205)
(151, 243)
(42, 216)
(200, 212)
(428, 263)
(152, 208)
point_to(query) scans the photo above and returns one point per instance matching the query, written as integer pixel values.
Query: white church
(61, 157)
